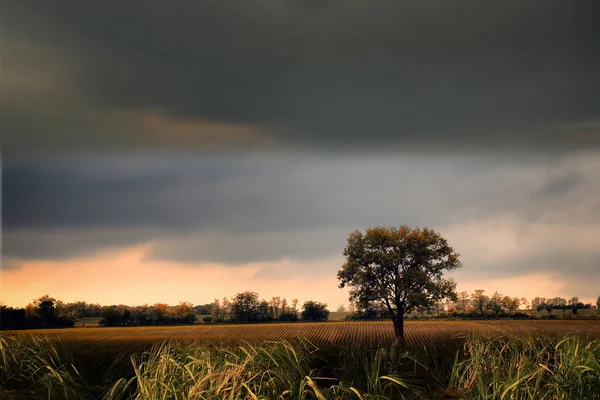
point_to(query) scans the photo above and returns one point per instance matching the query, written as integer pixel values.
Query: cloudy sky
(154, 153)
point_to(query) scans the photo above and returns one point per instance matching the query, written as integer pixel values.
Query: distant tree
(536, 303)
(400, 269)
(451, 309)
(573, 301)
(226, 309)
(81, 309)
(598, 303)
(341, 308)
(371, 311)
(288, 313)
(162, 314)
(511, 304)
(245, 307)
(275, 306)
(462, 300)
(351, 307)
(203, 309)
(113, 315)
(215, 310)
(65, 315)
(315, 311)
(47, 312)
(185, 313)
(495, 303)
(141, 315)
(264, 312)
(558, 302)
(480, 300)
(30, 311)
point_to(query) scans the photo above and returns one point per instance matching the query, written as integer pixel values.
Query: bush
(208, 319)
(315, 311)
(369, 313)
(288, 316)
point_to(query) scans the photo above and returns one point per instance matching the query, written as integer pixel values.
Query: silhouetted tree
(495, 303)
(275, 306)
(245, 307)
(462, 300)
(398, 268)
(480, 300)
(315, 311)
(47, 312)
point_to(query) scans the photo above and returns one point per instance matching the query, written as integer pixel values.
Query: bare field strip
(334, 333)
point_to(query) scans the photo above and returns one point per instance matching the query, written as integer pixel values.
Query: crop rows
(333, 333)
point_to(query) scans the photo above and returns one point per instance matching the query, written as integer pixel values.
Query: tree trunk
(399, 326)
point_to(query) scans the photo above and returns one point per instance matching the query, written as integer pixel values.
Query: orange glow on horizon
(126, 276)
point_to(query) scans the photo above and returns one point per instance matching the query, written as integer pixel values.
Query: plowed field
(325, 333)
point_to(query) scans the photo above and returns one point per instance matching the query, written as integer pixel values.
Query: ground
(334, 333)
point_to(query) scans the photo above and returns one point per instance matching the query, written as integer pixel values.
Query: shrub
(288, 316)
(315, 311)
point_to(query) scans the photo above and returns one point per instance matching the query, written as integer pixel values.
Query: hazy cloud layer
(505, 215)
(368, 76)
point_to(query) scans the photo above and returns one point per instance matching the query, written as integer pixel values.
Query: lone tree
(399, 269)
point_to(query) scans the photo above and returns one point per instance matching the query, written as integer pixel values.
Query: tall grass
(505, 367)
(276, 370)
(37, 367)
(528, 367)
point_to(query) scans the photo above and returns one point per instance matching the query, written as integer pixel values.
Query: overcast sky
(165, 153)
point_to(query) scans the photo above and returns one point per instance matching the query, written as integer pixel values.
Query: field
(321, 333)
(497, 359)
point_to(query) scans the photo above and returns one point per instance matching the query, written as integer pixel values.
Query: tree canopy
(315, 311)
(398, 269)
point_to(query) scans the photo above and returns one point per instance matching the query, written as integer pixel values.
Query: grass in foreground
(273, 371)
(503, 367)
(528, 367)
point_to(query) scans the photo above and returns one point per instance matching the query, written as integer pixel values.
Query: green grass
(492, 364)
(528, 367)
(36, 367)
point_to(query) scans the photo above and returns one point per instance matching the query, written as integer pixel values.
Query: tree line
(245, 307)
(500, 305)
(477, 304)
(248, 307)
(46, 312)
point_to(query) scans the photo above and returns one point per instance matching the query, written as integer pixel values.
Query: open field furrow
(351, 332)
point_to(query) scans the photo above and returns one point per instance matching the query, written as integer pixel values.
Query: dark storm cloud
(263, 206)
(259, 246)
(560, 183)
(330, 75)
